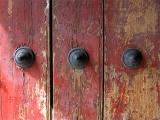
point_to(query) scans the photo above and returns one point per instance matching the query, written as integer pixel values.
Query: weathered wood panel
(77, 93)
(23, 92)
(132, 94)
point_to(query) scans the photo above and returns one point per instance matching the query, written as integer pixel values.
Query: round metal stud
(78, 58)
(24, 57)
(132, 58)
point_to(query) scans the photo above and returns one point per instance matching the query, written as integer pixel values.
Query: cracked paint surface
(23, 92)
(132, 94)
(77, 93)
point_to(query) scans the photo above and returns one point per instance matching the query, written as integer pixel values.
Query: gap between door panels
(103, 39)
(50, 44)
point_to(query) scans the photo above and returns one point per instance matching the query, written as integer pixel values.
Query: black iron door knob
(78, 58)
(132, 58)
(24, 57)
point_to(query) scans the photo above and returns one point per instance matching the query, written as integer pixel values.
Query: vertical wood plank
(23, 92)
(132, 94)
(77, 93)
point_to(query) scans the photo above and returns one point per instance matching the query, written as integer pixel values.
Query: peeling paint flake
(142, 18)
(10, 7)
(40, 93)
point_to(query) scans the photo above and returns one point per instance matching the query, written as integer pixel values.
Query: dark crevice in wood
(51, 56)
(103, 38)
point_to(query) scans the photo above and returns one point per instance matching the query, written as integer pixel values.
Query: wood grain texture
(77, 93)
(23, 92)
(132, 94)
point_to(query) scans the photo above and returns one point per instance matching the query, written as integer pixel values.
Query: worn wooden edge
(49, 62)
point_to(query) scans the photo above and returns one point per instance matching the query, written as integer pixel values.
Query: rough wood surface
(77, 93)
(132, 94)
(23, 93)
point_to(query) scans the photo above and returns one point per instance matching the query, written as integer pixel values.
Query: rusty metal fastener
(132, 58)
(78, 58)
(24, 57)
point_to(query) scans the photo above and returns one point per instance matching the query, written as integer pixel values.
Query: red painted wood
(23, 93)
(77, 93)
(132, 94)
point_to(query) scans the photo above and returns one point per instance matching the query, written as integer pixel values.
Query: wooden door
(23, 92)
(107, 88)
(132, 93)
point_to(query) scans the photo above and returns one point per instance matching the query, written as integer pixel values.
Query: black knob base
(132, 58)
(78, 58)
(24, 57)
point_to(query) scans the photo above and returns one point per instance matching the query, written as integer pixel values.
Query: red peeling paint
(23, 93)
